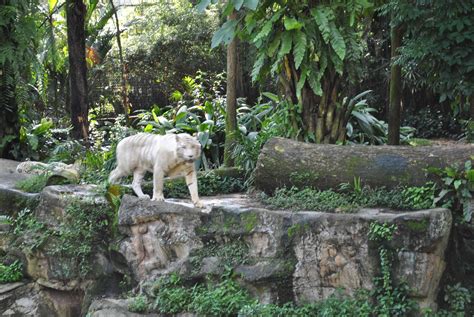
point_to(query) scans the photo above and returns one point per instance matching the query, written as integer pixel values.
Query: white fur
(171, 155)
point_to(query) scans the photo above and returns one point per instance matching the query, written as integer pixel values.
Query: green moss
(33, 184)
(418, 225)
(231, 253)
(249, 221)
(353, 163)
(297, 229)
(419, 142)
(301, 178)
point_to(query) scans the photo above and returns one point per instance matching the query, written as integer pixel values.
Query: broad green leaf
(337, 63)
(33, 141)
(300, 84)
(315, 84)
(225, 34)
(238, 4)
(468, 165)
(271, 96)
(274, 45)
(286, 42)
(457, 183)
(180, 116)
(257, 66)
(448, 180)
(337, 42)
(52, 5)
(148, 128)
(320, 15)
(467, 211)
(90, 9)
(470, 176)
(251, 4)
(202, 5)
(267, 27)
(299, 50)
(292, 24)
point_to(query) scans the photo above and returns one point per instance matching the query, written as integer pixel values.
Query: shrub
(348, 199)
(34, 184)
(456, 189)
(11, 273)
(138, 304)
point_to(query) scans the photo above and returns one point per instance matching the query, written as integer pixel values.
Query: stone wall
(316, 253)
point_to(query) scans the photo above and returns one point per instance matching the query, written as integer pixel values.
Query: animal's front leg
(136, 184)
(191, 181)
(158, 176)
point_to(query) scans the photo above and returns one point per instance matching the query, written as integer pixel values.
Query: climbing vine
(391, 299)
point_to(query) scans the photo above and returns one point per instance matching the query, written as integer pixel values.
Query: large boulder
(285, 163)
(12, 200)
(59, 279)
(314, 253)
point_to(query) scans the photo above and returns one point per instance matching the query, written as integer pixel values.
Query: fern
(301, 82)
(274, 45)
(267, 27)
(299, 50)
(285, 45)
(321, 16)
(337, 41)
(257, 66)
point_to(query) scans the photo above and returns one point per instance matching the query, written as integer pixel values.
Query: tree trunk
(286, 163)
(322, 119)
(76, 39)
(395, 103)
(231, 106)
(125, 101)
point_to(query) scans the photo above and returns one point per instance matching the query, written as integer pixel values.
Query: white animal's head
(189, 148)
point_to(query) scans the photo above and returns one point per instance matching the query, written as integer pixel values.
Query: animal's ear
(178, 139)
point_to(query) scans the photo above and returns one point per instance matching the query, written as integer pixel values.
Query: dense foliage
(350, 198)
(438, 51)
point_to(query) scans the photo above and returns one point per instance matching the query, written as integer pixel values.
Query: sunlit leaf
(225, 34)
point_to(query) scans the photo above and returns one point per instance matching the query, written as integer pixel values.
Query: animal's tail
(115, 175)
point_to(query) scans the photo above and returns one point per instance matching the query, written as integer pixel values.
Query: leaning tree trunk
(286, 163)
(76, 40)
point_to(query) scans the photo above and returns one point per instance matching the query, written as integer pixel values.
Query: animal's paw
(158, 198)
(198, 204)
(144, 196)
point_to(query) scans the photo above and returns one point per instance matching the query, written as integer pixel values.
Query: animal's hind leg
(158, 176)
(137, 184)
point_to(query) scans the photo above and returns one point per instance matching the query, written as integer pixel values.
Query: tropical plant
(10, 273)
(199, 110)
(456, 189)
(17, 42)
(313, 47)
(364, 128)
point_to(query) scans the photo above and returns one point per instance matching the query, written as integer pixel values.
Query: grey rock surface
(314, 252)
(12, 200)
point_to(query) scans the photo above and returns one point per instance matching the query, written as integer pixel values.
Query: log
(286, 163)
